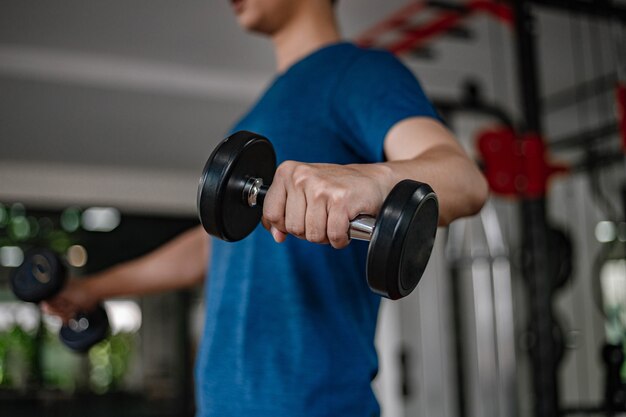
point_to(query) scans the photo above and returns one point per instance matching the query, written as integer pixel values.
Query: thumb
(278, 236)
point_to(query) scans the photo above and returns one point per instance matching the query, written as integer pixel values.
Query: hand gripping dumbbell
(239, 172)
(40, 277)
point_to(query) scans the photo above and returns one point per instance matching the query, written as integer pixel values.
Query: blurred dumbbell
(40, 277)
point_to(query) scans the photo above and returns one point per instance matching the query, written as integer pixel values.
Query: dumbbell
(40, 277)
(238, 174)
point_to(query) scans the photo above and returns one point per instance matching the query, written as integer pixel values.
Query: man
(289, 327)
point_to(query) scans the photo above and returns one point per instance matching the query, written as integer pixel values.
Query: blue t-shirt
(290, 327)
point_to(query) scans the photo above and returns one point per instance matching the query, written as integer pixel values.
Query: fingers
(287, 208)
(278, 236)
(74, 299)
(61, 310)
(274, 208)
(338, 225)
(295, 212)
(315, 218)
(309, 202)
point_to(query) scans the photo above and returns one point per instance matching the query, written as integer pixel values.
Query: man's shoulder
(354, 57)
(373, 61)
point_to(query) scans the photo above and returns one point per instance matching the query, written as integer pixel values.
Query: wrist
(382, 175)
(92, 288)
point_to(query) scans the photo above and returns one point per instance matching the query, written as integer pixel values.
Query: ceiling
(144, 83)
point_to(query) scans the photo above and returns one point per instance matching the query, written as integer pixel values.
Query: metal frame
(600, 8)
(450, 18)
(481, 278)
(541, 322)
(545, 349)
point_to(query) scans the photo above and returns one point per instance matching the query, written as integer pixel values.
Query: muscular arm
(317, 201)
(180, 263)
(423, 149)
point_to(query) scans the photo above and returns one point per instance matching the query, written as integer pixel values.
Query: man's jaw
(237, 5)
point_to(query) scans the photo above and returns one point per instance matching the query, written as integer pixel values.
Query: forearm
(459, 185)
(424, 150)
(178, 264)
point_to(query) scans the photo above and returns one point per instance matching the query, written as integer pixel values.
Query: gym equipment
(561, 250)
(239, 172)
(481, 301)
(40, 277)
(614, 388)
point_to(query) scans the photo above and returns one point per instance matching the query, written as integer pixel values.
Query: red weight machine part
(516, 166)
(414, 36)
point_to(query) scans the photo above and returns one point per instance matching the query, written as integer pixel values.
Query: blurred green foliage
(102, 370)
(109, 362)
(17, 358)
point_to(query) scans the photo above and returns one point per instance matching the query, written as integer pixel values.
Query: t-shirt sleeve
(375, 92)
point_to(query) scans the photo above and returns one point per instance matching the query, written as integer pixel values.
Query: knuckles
(272, 215)
(284, 170)
(302, 174)
(295, 229)
(321, 188)
(338, 197)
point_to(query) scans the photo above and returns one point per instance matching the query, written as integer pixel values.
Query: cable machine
(528, 168)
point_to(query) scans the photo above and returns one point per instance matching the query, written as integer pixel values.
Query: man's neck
(304, 34)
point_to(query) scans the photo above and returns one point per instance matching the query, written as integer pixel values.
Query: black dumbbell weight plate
(85, 330)
(403, 239)
(221, 205)
(561, 252)
(40, 276)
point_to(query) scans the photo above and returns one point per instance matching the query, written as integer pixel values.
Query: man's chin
(252, 26)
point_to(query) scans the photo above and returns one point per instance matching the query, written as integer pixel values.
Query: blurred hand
(316, 202)
(75, 297)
